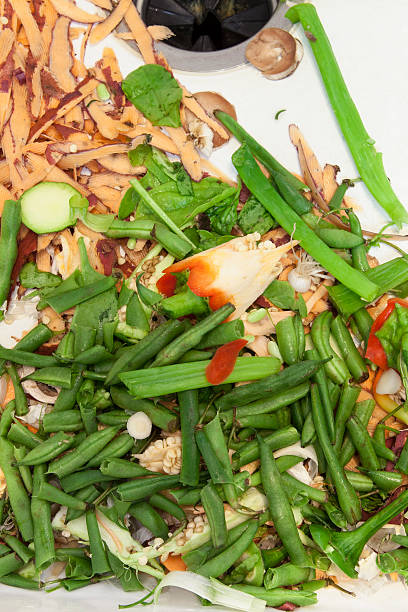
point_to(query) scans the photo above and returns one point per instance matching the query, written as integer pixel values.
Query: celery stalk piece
(367, 159)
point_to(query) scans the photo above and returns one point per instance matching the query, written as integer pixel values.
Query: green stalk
(367, 159)
(262, 189)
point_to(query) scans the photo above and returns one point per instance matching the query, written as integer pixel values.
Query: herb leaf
(254, 217)
(282, 295)
(156, 93)
(32, 278)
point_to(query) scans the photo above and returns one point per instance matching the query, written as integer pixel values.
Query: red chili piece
(223, 362)
(374, 350)
(167, 284)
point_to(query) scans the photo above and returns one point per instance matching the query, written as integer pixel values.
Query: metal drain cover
(210, 35)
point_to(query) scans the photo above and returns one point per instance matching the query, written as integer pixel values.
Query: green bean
(66, 399)
(345, 408)
(315, 585)
(274, 402)
(74, 584)
(194, 355)
(101, 399)
(184, 376)
(322, 383)
(159, 415)
(65, 349)
(6, 418)
(136, 315)
(128, 578)
(215, 436)
(88, 494)
(19, 393)
(348, 350)
(3, 547)
(68, 420)
(150, 518)
(270, 163)
(286, 575)
(308, 430)
(294, 486)
(387, 481)
(274, 556)
(68, 299)
(358, 253)
(278, 597)
(122, 468)
(279, 507)
(335, 515)
(189, 416)
(137, 356)
(166, 505)
(10, 225)
(19, 548)
(15, 580)
(223, 561)
(347, 497)
(99, 560)
(173, 351)
(214, 509)
(137, 490)
(277, 420)
(33, 340)
(363, 410)
(26, 477)
(194, 558)
(183, 303)
(402, 463)
(53, 376)
(359, 482)
(119, 446)
(52, 494)
(362, 442)
(186, 496)
(18, 434)
(296, 415)
(92, 355)
(43, 535)
(83, 453)
(79, 480)
(10, 563)
(291, 194)
(18, 496)
(25, 358)
(275, 440)
(364, 323)
(287, 340)
(220, 474)
(380, 446)
(224, 333)
(113, 417)
(402, 540)
(49, 449)
(335, 368)
(88, 417)
(282, 381)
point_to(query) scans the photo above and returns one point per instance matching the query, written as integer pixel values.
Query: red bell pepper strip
(374, 351)
(223, 362)
(167, 284)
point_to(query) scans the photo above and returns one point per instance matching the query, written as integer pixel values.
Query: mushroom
(40, 392)
(275, 52)
(205, 138)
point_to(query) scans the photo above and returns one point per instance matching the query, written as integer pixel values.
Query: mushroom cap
(274, 52)
(212, 101)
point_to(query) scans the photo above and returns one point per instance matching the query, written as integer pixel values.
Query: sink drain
(210, 35)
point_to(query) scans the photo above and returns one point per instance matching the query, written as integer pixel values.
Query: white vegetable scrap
(163, 455)
(139, 426)
(307, 271)
(3, 484)
(20, 318)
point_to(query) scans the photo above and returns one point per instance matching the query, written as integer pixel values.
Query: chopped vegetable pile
(201, 380)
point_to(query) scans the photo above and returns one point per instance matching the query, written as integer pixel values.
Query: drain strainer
(210, 35)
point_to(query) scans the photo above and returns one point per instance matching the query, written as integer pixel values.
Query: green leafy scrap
(255, 218)
(282, 295)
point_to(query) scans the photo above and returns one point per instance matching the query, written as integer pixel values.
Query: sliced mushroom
(275, 52)
(204, 137)
(40, 392)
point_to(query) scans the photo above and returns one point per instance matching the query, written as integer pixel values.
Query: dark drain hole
(208, 25)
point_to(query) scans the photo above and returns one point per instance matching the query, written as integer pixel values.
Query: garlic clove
(389, 383)
(139, 426)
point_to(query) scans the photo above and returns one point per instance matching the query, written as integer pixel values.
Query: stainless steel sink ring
(211, 61)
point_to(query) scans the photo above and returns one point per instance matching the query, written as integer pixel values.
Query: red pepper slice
(223, 362)
(374, 351)
(167, 284)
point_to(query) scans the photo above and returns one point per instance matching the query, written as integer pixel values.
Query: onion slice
(389, 383)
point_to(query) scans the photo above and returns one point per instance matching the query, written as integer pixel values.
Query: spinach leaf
(208, 240)
(282, 295)
(255, 218)
(223, 217)
(32, 278)
(128, 203)
(156, 93)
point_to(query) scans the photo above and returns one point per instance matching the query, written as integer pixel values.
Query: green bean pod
(17, 581)
(166, 505)
(274, 440)
(20, 397)
(25, 473)
(286, 575)
(47, 450)
(68, 420)
(363, 444)
(44, 546)
(380, 446)
(150, 518)
(79, 480)
(214, 509)
(363, 411)
(52, 494)
(215, 436)
(287, 340)
(88, 495)
(274, 556)
(359, 482)
(122, 468)
(159, 415)
(21, 549)
(142, 488)
(320, 379)
(279, 507)
(402, 463)
(335, 368)
(224, 333)
(99, 560)
(189, 417)
(66, 399)
(358, 253)
(10, 225)
(387, 481)
(10, 563)
(348, 350)
(32, 341)
(26, 358)
(6, 418)
(119, 446)
(18, 434)
(18, 496)
(345, 408)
